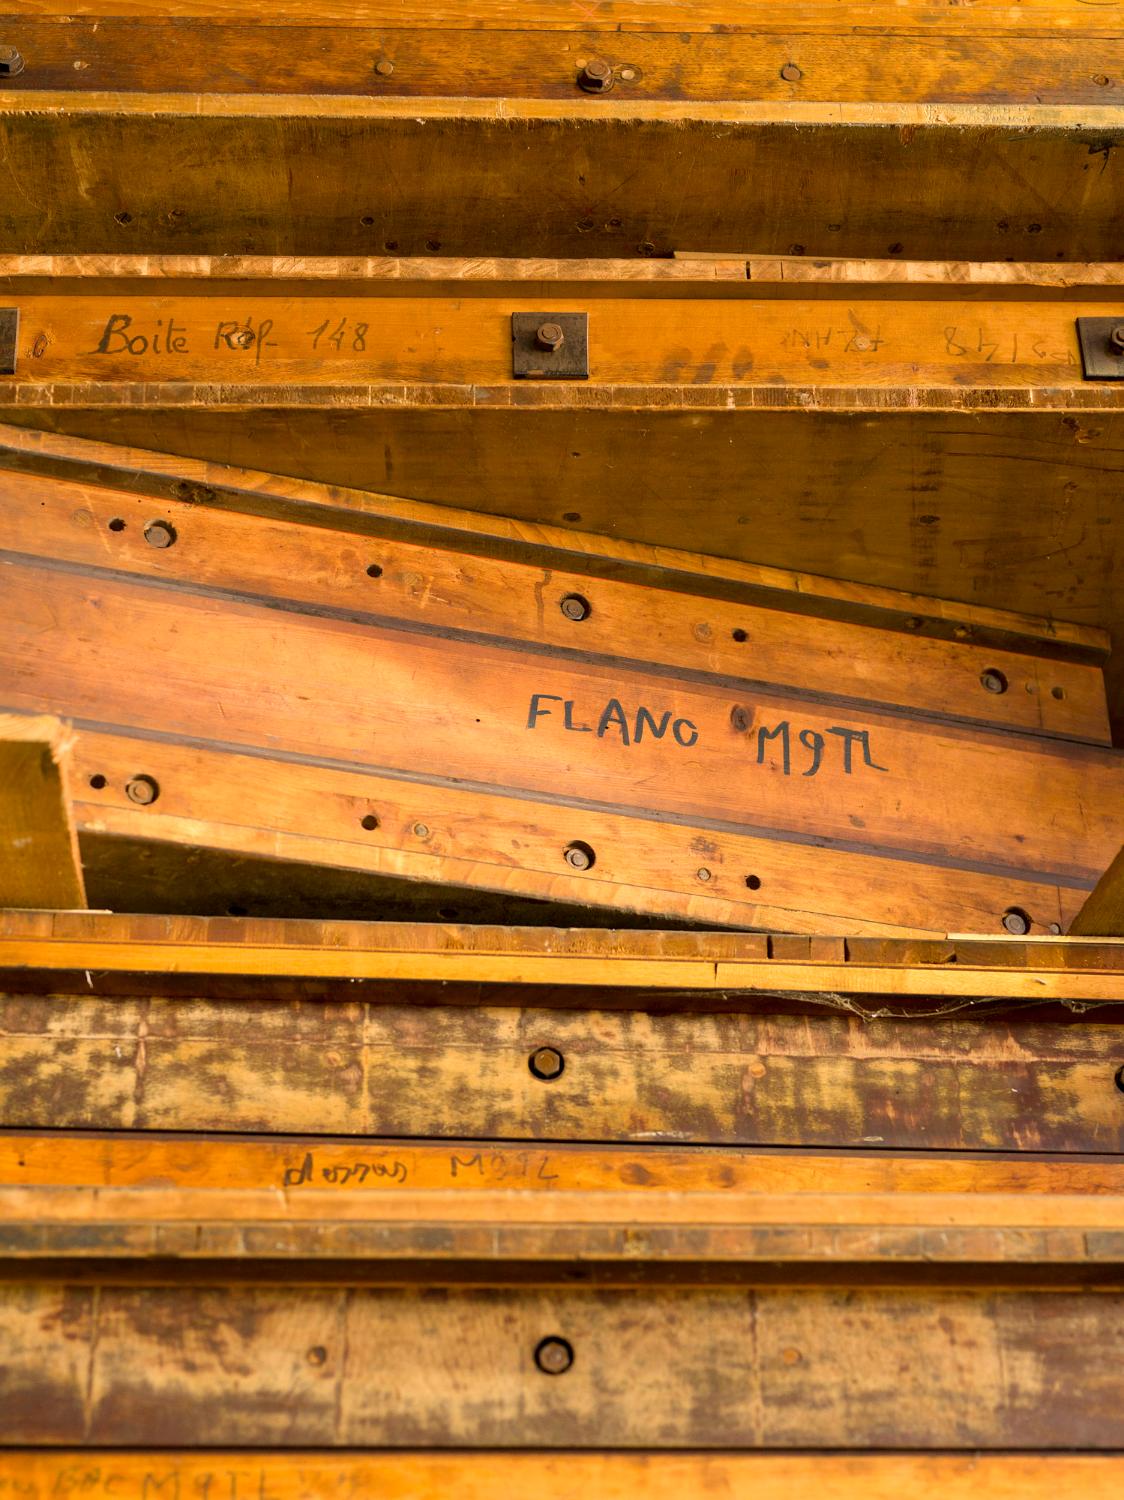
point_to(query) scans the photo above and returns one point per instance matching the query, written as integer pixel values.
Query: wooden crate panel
(404, 1068)
(784, 1367)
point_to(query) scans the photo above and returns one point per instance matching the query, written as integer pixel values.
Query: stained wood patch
(366, 1069)
(780, 1367)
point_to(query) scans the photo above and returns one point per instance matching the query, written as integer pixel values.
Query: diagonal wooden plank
(39, 860)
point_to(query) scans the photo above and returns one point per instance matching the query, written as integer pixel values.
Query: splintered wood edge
(293, 1474)
(250, 487)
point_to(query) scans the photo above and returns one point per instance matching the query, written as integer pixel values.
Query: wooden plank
(780, 1367)
(1103, 912)
(1038, 170)
(39, 860)
(249, 56)
(475, 718)
(566, 1476)
(1085, 971)
(396, 1066)
(506, 600)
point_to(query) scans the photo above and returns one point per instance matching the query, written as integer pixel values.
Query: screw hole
(237, 911)
(117, 524)
(1057, 692)
(448, 913)
(367, 221)
(374, 571)
(390, 245)
(97, 782)
(572, 516)
(123, 217)
(753, 882)
(433, 245)
(1120, 1079)
(317, 1355)
(740, 635)
(369, 822)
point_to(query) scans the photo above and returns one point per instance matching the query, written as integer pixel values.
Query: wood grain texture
(195, 55)
(566, 1476)
(886, 972)
(449, 589)
(1103, 912)
(784, 1367)
(400, 1067)
(196, 172)
(39, 860)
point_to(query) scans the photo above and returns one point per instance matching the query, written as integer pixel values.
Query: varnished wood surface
(567, 1476)
(310, 54)
(40, 863)
(853, 1072)
(784, 1367)
(1103, 912)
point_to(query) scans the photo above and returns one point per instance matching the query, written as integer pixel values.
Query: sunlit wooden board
(295, 1475)
(40, 863)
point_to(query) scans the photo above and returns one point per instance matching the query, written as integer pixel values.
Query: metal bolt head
(1016, 922)
(791, 73)
(142, 790)
(993, 681)
(160, 534)
(579, 856)
(554, 1356)
(11, 62)
(384, 67)
(1116, 339)
(574, 607)
(549, 336)
(703, 874)
(546, 1063)
(421, 831)
(596, 77)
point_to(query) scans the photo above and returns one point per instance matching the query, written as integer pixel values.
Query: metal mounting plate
(9, 334)
(570, 361)
(1102, 357)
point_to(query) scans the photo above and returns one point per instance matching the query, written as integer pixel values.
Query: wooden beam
(1103, 912)
(187, 1054)
(781, 1367)
(705, 962)
(39, 859)
(125, 1475)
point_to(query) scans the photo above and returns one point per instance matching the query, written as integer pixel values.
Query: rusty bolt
(384, 67)
(579, 856)
(1016, 922)
(11, 62)
(574, 607)
(546, 1063)
(549, 336)
(992, 680)
(740, 718)
(703, 874)
(142, 790)
(1116, 339)
(160, 534)
(421, 831)
(554, 1356)
(596, 77)
(791, 73)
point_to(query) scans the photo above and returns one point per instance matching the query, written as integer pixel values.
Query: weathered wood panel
(413, 1069)
(566, 1476)
(588, 176)
(853, 1368)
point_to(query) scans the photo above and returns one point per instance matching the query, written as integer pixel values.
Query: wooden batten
(40, 864)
